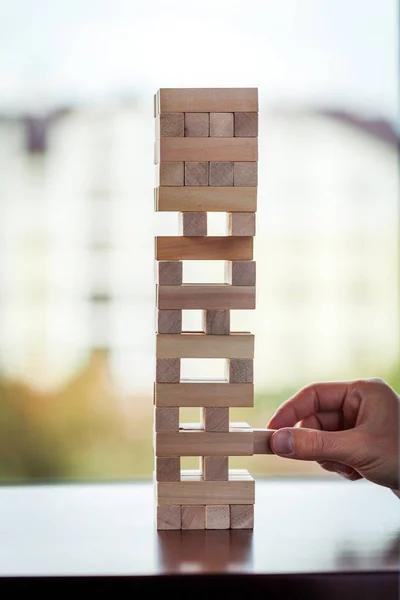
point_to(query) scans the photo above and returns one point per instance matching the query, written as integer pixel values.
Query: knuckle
(314, 443)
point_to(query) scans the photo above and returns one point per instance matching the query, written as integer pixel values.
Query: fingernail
(283, 443)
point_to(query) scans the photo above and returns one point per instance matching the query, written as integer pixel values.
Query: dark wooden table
(312, 539)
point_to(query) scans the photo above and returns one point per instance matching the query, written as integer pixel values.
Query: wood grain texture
(197, 124)
(221, 125)
(208, 100)
(206, 296)
(170, 125)
(245, 173)
(242, 223)
(241, 272)
(171, 173)
(246, 124)
(204, 394)
(196, 173)
(194, 517)
(241, 370)
(201, 345)
(218, 516)
(195, 491)
(168, 469)
(168, 517)
(204, 248)
(215, 468)
(166, 419)
(208, 149)
(215, 418)
(216, 322)
(204, 443)
(193, 223)
(169, 321)
(242, 516)
(170, 272)
(168, 370)
(210, 199)
(262, 441)
(221, 174)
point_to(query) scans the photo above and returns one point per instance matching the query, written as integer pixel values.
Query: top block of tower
(211, 100)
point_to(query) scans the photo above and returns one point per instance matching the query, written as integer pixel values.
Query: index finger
(318, 397)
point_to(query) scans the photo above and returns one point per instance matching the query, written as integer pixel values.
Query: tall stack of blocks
(206, 155)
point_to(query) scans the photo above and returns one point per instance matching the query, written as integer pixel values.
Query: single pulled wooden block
(168, 370)
(210, 199)
(262, 441)
(207, 296)
(170, 125)
(204, 248)
(170, 272)
(221, 125)
(241, 223)
(245, 174)
(200, 345)
(216, 322)
(197, 124)
(215, 468)
(193, 223)
(241, 370)
(246, 124)
(218, 516)
(166, 419)
(241, 272)
(204, 393)
(207, 100)
(215, 418)
(194, 149)
(171, 173)
(196, 173)
(168, 517)
(242, 516)
(169, 321)
(221, 173)
(168, 469)
(196, 442)
(193, 517)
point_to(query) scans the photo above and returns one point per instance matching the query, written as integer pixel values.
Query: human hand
(351, 428)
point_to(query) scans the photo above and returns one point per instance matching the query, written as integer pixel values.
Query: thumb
(314, 444)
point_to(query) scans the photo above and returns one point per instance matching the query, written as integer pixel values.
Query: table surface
(312, 526)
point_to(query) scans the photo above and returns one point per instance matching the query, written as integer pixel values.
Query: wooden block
(208, 149)
(168, 370)
(215, 418)
(170, 272)
(155, 107)
(221, 125)
(169, 321)
(218, 516)
(204, 443)
(242, 516)
(171, 173)
(215, 468)
(208, 100)
(193, 223)
(168, 469)
(240, 370)
(221, 173)
(166, 419)
(196, 173)
(210, 199)
(262, 441)
(245, 173)
(207, 296)
(197, 124)
(241, 272)
(204, 394)
(242, 223)
(192, 490)
(170, 125)
(168, 517)
(204, 248)
(193, 517)
(216, 322)
(201, 345)
(246, 124)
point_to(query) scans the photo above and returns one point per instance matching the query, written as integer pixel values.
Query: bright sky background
(340, 53)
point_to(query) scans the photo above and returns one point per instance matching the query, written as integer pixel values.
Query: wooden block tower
(206, 154)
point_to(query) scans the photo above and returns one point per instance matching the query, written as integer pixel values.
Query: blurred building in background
(76, 246)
